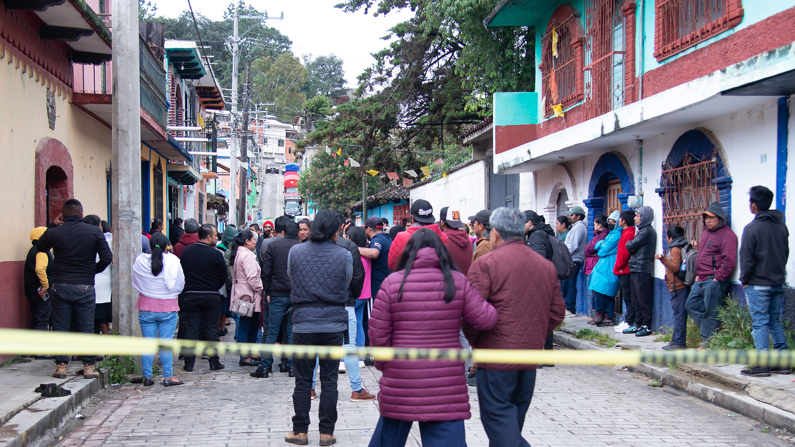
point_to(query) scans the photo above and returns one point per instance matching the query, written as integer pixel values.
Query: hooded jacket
(591, 256)
(425, 390)
(184, 241)
(643, 246)
(576, 238)
(460, 248)
(38, 266)
(399, 244)
(672, 263)
(538, 240)
(765, 250)
(622, 256)
(717, 249)
(75, 246)
(603, 280)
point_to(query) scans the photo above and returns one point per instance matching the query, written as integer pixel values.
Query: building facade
(671, 104)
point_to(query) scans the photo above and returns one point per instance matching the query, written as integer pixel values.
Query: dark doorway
(57, 190)
(503, 189)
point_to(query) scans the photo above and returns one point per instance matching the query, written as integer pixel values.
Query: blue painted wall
(385, 210)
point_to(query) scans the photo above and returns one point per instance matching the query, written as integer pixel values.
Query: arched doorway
(610, 186)
(693, 176)
(54, 180)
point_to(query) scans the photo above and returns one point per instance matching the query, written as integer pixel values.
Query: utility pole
(126, 164)
(242, 200)
(364, 196)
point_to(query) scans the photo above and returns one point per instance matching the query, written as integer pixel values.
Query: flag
(339, 151)
(423, 179)
(438, 162)
(558, 110)
(407, 182)
(411, 172)
(554, 42)
(328, 151)
(444, 174)
(553, 86)
(346, 162)
(392, 175)
(353, 162)
(372, 172)
(425, 170)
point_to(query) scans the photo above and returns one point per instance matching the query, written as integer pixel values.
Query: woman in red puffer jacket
(421, 306)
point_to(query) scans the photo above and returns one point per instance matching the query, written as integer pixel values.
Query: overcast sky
(314, 26)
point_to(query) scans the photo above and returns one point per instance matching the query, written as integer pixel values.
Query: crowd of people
(432, 284)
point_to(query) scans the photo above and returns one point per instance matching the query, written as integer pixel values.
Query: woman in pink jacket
(421, 306)
(246, 281)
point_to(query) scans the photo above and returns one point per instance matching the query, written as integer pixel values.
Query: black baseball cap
(422, 212)
(374, 222)
(482, 216)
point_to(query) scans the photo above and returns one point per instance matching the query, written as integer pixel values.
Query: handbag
(242, 297)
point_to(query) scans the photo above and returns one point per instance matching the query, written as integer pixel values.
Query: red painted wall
(16, 313)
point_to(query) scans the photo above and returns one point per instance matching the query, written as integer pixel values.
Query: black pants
(39, 312)
(327, 413)
(626, 295)
(201, 311)
(642, 298)
(73, 301)
(678, 300)
(504, 397)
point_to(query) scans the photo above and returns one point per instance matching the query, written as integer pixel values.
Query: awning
(291, 182)
(170, 149)
(184, 174)
(184, 55)
(292, 167)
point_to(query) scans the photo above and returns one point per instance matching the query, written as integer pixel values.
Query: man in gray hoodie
(641, 268)
(576, 240)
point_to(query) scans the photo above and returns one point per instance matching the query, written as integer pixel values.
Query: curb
(733, 400)
(31, 423)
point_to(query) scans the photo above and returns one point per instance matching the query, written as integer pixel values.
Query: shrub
(119, 366)
(735, 329)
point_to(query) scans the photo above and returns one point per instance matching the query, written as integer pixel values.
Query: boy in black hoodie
(763, 261)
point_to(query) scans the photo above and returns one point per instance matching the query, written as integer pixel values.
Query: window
(604, 52)
(159, 205)
(561, 60)
(281, 143)
(689, 190)
(202, 209)
(681, 24)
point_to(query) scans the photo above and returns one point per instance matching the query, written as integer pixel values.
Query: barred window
(681, 24)
(561, 60)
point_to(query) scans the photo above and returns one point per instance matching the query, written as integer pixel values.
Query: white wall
(464, 189)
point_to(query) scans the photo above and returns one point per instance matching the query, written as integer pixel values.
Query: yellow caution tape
(26, 342)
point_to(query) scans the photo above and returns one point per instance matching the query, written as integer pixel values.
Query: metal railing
(688, 191)
(683, 23)
(604, 50)
(559, 71)
(93, 79)
(153, 85)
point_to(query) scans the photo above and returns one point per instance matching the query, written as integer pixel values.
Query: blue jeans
(765, 306)
(394, 433)
(351, 361)
(360, 305)
(605, 304)
(152, 324)
(702, 305)
(247, 329)
(279, 306)
(569, 289)
(678, 299)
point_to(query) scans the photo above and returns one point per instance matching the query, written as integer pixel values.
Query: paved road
(572, 406)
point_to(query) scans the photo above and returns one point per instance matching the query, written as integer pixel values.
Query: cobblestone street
(592, 406)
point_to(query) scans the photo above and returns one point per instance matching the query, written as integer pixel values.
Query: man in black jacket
(537, 234)
(641, 268)
(75, 246)
(200, 300)
(276, 285)
(763, 269)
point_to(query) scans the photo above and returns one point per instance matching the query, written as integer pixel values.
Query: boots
(89, 372)
(60, 371)
(327, 439)
(298, 438)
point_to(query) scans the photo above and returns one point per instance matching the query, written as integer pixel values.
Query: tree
(326, 76)
(146, 10)
(280, 82)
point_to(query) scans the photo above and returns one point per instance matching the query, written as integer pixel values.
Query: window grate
(689, 189)
(560, 73)
(681, 24)
(604, 52)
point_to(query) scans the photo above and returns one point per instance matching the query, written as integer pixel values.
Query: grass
(119, 366)
(666, 334)
(655, 383)
(597, 337)
(735, 329)
(560, 326)
(693, 335)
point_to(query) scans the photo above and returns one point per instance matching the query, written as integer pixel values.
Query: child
(679, 290)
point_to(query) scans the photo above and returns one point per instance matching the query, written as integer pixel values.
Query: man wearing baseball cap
(480, 223)
(460, 246)
(575, 241)
(421, 217)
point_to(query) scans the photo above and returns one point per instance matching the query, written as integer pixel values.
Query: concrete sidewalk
(766, 399)
(25, 416)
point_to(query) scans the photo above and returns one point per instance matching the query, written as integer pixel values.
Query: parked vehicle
(271, 168)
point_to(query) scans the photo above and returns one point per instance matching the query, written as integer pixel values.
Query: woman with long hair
(563, 225)
(358, 236)
(246, 285)
(421, 306)
(158, 278)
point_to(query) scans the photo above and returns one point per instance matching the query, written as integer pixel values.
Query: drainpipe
(781, 154)
(640, 172)
(642, 46)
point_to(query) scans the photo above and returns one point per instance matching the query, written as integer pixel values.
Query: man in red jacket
(190, 237)
(421, 217)
(460, 246)
(525, 316)
(627, 223)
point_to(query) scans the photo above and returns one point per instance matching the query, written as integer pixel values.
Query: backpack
(687, 272)
(561, 258)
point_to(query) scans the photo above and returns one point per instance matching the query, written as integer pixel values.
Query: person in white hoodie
(158, 277)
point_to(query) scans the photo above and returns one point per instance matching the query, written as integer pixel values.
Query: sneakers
(362, 396)
(313, 395)
(472, 380)
(631, 330)
(368, 361)
(607, 322)
(297, 438)
(756, 371)
(89, 372)
(327, 439)
(673, 347)
(644, 331)
(260, 374)
(60, 371)
(569, 314)
(342, 369)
